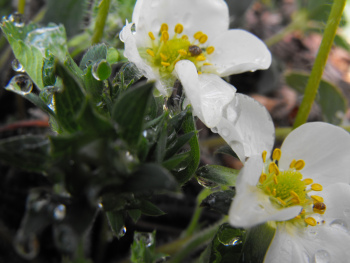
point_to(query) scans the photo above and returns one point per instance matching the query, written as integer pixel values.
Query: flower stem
(100, 21)
(21, 6)
(320, 62)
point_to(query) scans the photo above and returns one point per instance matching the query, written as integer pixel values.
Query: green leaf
(70, 13)
(29, 56)
(161, 144)
(340, 41)
(135, 214)
(192, 161)
(68, 102)
(129, 110)
(94, 54)
(29, 152)
(178, 144)
(219, 201)
(330, 98)
(150, 209)
(150, 177)
(175, 161)
(113, 56)
(218, 174)
(116, 220)
(226, 149)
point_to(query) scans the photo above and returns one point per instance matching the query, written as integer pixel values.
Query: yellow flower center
(164, 52)
(288, 188)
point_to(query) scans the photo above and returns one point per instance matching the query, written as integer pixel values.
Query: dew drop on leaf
(206, 183)
(59, 212)
(16, 66)
(47, 95)
(122, 232)
(20, 84)
(17, 19)
(146, 238)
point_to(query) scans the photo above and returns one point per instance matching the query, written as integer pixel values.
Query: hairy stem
(100, 21)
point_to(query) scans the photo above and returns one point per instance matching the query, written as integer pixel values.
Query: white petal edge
(131, 52)
(208, 93)
(247, 127)
(305, 245)
(209, 16)
(238, 51)
(325, 148)
(251, 206)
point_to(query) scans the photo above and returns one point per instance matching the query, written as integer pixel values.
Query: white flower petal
(238, 51)
(208, 93)
(248, 125)
(251, 206)
(312, 244)
(337, 199)
(325, 148)
(209, 16)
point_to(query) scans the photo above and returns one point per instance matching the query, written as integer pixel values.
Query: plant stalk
(100, 21)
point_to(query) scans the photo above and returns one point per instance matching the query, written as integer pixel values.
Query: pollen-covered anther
(179, 28)
(292, 163)
(275, 179)
(299, 165)
(308, 181)
(164, 57)
(195, 50)
(319, 208)
(317, 199)
(164, 27)
(264, 153)
(274, 192)
(276, 155)
(210, 50)
(184, 37)
(296, 198)
(262, 178)
(150, 34)
(165, 36)
(316, 187)
(281, 201)
(182, 52)
(198, 34)
(165, 64)
(201, 58)
(273, 168)
(150, 52)
(310, 221)
(203, 39)
(207, 64)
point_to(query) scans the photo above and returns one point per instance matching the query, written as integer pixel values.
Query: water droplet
(312, 232)
(17, 19)
(347, 212)
(340, 224)
(59, 212)
(20, 84)
(101, 70)
(144, 133)
(225, 132)
(206, 183)
(16, 66)
(100, 205)
(122, 232)
(253, 70)
(146, 238)
(214, 130)
(229, 236)
(322, 256)
(26, 246)
(47, 95)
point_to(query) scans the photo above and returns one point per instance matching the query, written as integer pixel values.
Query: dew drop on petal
(26, 246)
(339, 224)
(16, 66)
(20, 84)
(322, 256)
(59, 212)
(214, 130)
(347, 212)
(17, 19)
(146, 238)
(225, 132)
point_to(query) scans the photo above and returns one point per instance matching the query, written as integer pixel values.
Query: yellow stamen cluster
(166, 51)
(288, 188)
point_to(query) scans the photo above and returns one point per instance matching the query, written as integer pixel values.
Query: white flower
(195, 36)
(305, 190)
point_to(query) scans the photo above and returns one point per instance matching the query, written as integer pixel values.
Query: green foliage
(219, 201)
(143, 248)
(214, 175)
(330, 98)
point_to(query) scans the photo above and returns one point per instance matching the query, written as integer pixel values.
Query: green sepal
(218, 174)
